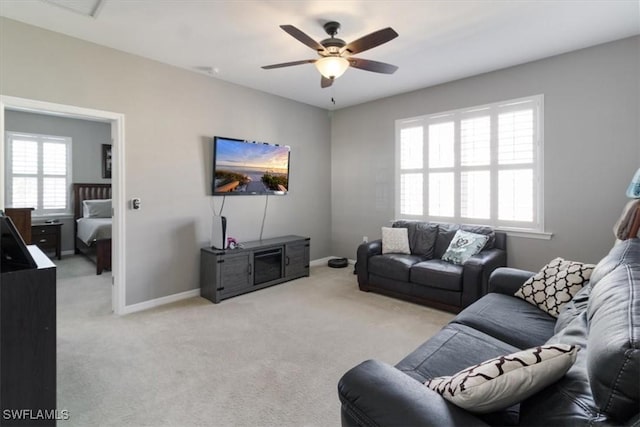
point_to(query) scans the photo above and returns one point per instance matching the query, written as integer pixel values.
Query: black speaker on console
(219, 232)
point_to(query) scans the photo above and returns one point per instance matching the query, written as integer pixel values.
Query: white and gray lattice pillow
(503, 381)
(555, 285)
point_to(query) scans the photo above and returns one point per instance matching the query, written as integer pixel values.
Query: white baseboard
(69, 252)
(146, 305)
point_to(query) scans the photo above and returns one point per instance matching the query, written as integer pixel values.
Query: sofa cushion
(568, 401)
(463, 246)
(437, 274)
(481, 229)
(503, 381)
(573, 308)
(602, 386)
(555, 284)
(508, 319)
(613, 357)
(395, 241)
(448, 352)
(445, 235)
(422, 236)
(393, 266)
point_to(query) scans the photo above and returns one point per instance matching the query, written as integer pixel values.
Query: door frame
(116, 120)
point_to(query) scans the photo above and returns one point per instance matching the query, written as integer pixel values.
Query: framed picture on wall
(106, 160)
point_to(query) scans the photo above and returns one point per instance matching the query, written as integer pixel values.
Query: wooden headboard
(88, 192)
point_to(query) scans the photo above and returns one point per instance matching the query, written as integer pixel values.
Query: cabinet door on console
(235, 273)
(296, 259)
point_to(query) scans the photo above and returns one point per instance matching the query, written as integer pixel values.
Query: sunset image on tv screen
(254, 168)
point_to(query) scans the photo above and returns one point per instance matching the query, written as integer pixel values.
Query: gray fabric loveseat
(601, 388)
(422, 276)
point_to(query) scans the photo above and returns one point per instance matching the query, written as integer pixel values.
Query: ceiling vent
(90, 8)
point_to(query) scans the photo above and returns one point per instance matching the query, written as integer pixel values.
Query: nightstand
(47, 237)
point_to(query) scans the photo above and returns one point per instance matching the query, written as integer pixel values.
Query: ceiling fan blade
(375, 66)
(325, 82)
(371, 40)
(302, 37)
(289, 64)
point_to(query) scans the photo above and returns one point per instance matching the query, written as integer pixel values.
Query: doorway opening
(116, 120)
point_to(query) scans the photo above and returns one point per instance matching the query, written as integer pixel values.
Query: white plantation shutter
(24, 154)
(441, 139)
(38, 172)
(515, 137)
(478, 165)
(475, 139)
(411, 148)
(411, 178)
(411, 193)
(24, 191)
(475, 194)
(516, 195)
(24, 161)
(441, 194)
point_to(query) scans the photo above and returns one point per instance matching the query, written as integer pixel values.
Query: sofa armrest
(377, 394)
(476, 272)
(366, 251)
(508, 280)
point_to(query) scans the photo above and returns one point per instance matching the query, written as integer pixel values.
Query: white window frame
(534, 228)
(40, 139)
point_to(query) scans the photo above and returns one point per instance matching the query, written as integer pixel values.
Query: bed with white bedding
(92, 215)
(92, 229)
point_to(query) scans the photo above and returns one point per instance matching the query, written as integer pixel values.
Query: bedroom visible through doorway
(114, 124)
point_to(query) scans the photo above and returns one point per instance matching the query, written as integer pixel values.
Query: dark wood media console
(225, 273)
(28, 344)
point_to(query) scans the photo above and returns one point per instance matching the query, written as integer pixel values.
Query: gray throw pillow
(98, 208)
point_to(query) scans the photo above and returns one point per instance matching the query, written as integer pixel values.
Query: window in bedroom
(479, 165)
(38, 172)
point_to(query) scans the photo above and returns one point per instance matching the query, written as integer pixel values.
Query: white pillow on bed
(98, 208)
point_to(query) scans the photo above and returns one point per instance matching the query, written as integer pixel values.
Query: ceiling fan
(335, 54)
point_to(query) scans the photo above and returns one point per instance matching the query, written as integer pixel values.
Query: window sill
(528, 234)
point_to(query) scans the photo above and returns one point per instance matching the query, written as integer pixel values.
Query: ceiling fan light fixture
(332, 67)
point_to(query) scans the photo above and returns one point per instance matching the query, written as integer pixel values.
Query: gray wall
(591, 149)
(87, 139)
(170, 117)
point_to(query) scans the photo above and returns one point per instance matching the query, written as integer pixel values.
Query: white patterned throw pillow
(463, 246)
(555, 285)
(503, 381)
(395, 240)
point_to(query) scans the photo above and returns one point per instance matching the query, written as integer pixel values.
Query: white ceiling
(438, 41)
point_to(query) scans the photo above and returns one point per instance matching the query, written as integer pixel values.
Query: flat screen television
(249, 168)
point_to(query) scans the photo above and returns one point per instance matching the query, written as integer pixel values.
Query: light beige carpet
(268, 358)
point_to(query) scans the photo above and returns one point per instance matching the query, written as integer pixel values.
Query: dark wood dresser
(21, 218)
